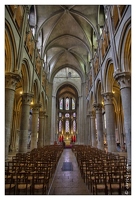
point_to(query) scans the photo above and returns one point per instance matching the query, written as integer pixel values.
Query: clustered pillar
(93, 129)
(110, 121)
(35, 116)
(98, 108)
(46, 134)
(41, 129)
(124, 81)
(11, 80)
(23, 137)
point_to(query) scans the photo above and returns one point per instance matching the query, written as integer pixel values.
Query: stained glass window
(104, 120)
(60, 114)
(67, 103)
(67, 125)
(67, 115)
(74, 126)
(96, 124)
(67, 122)
(61, 104)
(73, 104)
(60, 126)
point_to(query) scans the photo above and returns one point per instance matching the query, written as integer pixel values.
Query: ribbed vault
(67, 34)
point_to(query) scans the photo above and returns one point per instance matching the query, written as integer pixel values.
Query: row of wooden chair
(103, 172)
(31, 172)
(26, 183)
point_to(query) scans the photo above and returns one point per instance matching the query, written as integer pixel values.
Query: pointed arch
(36, 89)
(125, 47)
(108, 76)
(98, 91)
(81, 74)
(10, 49)
(26, 76)
(43, 101)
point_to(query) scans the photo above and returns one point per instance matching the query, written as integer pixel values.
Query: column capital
(97, 106)
(42, 114)
(36, 107)
(108, 97)
(123, 78)
(11, 79)
(26, 98)
(27, 9)
(92, 114)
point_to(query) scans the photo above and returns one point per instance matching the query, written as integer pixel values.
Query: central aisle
(68, 182)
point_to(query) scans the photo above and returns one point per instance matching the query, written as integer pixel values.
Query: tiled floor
(68, 182)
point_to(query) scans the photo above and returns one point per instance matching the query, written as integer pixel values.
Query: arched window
(67, 104)
(67, 117)
(32, 20)
(74, 126)
(60, 114)
(67, 125)
(60, 126)
(96, 124)
(105, 120)
(73, 104)
(61, 104)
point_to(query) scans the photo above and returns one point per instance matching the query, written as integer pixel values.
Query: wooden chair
(39, 183)
(9, 184)
(115, 183)
(100, 184)
(23, 184)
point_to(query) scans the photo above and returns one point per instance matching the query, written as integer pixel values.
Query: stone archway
(66, 106)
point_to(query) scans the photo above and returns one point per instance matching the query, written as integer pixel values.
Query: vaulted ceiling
(67, 35)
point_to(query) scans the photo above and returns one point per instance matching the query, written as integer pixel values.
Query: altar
(67, 141)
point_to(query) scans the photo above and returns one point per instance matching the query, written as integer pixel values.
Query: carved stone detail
(108, 96)
(36, 107)
(97, 106)
(11, 79)
(26, 98)
(123, 78)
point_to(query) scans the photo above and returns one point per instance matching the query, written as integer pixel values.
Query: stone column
(77, 127)
(83, 112)
(98, 108)
(17, 139)
(110, 121)
(35, 115)
(89, 134)
(93, 128)
(124, 80)
(41, 129)
(80, 122)
(53, 119)
(11, 80)
(46, 133)
(26, 100)
(13, 133)
(88, 130)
